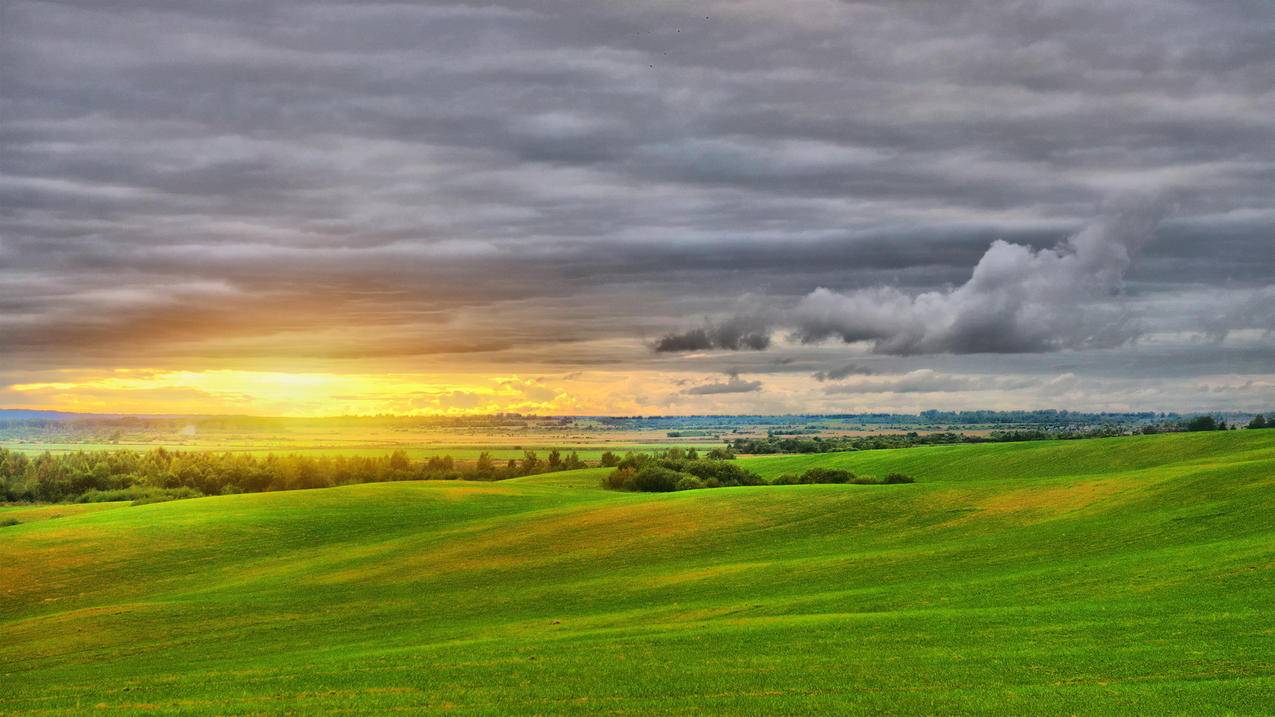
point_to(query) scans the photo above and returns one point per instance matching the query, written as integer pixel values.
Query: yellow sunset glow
(289, 394)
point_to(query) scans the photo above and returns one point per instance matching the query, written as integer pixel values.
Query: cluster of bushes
(838, 477)
(148, 476)
(675, 469)
(665, 473)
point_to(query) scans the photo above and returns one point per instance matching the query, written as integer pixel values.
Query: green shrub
(108, 496)
(897, 478)
(826, 475)
(786, 479)
(6, 522)
(690, 483)
(619, 479)
(727, 473)
(166, 494)
(656, 479)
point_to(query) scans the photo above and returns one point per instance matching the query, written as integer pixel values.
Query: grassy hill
(1125, 575)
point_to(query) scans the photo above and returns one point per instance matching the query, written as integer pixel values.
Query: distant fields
(1128, 575)
(586, 451)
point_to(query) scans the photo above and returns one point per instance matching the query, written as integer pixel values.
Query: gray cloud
(1018, 300)
(538, 182)
(928, 381)
(843, 371)
(734, 384)
(738, 333)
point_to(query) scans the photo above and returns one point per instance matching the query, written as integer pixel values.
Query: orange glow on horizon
(290, 394)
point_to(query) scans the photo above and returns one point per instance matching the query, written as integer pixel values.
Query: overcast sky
(637, 207)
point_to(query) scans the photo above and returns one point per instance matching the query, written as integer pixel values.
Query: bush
(656, 479)
(666, 472)
(837, 476)
(726, 473)
(619, 479)
(6, 522)
(690, 483)
(167, 494)
(108, 496)
(826, 475)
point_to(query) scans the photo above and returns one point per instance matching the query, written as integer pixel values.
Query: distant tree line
(147, 476)
(678, 470)
(1209, 423)
(777, 443)
(833, 444)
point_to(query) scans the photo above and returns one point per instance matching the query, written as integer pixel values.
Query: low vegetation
(677, 470)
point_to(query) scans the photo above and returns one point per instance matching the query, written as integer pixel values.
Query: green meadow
(1127, 575)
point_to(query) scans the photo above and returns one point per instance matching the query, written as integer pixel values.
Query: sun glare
(285, 393)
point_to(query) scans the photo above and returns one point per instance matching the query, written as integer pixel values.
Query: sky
(319, 208)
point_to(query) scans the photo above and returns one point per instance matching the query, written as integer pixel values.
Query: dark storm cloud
(740, 333)
(329, 178)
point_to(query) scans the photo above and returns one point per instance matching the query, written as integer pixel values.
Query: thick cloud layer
(559, 185)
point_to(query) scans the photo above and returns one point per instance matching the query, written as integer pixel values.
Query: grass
(1128, 575)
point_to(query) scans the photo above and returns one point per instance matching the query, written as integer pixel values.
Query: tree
(1259, 421)
(1201, 423)
(399, 461)
(530, 462)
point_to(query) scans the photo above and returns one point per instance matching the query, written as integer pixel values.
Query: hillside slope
(1125, 575)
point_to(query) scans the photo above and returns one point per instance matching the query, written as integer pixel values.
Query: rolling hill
(1129, 575)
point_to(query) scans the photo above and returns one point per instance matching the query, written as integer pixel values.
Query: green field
(1128, 575)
